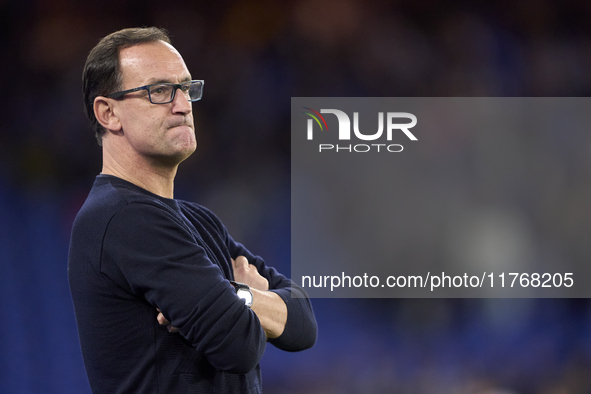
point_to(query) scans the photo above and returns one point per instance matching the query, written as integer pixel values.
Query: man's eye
(185, 88)
(158, 90)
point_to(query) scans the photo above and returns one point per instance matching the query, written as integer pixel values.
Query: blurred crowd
(254, 55)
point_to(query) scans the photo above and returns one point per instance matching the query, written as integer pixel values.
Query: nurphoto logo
(344, 132)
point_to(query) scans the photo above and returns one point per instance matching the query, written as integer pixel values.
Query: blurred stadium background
(254, 56)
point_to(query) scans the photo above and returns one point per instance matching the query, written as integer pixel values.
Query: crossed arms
(268, 306)
(185, 273)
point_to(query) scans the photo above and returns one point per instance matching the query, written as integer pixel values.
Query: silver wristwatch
(243, 291)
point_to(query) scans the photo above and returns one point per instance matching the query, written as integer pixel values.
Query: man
(135, 251)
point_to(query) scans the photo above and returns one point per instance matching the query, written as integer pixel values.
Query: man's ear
(105, 114)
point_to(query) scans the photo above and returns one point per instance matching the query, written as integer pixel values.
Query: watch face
(245, 295)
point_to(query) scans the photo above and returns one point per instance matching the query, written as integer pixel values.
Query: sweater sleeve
(301, 329)
(151, 253)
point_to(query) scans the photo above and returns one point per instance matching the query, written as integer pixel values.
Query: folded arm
(283, 309)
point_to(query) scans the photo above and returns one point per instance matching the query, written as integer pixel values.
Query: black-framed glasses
(163, 93)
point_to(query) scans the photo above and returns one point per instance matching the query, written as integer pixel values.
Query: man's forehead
(144, 60)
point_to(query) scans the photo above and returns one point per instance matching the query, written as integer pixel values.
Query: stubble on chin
(186, 144)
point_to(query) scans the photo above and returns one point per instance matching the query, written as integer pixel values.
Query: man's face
(162, 133)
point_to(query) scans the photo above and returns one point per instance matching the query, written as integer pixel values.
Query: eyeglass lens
(164, 93)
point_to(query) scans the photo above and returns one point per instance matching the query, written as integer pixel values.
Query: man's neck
(157, 179)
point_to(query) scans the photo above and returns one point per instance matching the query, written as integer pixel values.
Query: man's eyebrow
(153, 81)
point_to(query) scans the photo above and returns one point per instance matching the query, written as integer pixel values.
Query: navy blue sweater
(131, 252)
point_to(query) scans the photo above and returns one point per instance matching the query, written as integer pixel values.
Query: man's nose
(180, 103)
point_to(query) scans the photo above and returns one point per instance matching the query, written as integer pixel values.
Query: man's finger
(240, 262)
(162, 320)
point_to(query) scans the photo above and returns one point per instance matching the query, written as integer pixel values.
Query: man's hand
(163, 322)
(248, 274)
